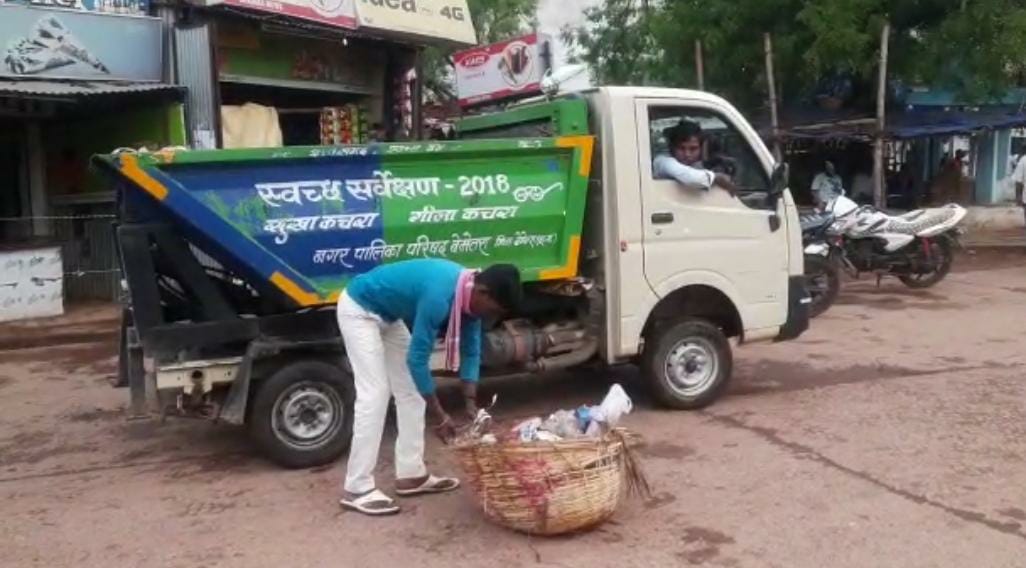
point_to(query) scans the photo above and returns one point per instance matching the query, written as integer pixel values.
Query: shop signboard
(127, 7)
(246, 55)
(338, 13)
(501, 70)
(447, 20)
(62, 44)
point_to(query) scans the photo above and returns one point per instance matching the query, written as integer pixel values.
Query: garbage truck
(233, 260)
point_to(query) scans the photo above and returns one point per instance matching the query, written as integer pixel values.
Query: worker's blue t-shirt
(420, 293)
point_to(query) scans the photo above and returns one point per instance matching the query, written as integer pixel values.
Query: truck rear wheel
(302, 416)
(687, 364)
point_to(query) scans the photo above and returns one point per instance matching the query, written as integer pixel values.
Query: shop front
(301, 72)
(73, 83)
(283, 89)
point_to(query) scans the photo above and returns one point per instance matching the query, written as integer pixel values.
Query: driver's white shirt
(667, 167)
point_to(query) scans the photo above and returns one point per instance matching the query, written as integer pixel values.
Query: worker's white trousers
(377, 352)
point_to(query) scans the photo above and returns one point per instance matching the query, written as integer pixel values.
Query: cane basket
(549, 488)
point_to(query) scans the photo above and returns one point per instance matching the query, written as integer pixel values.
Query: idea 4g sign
(447, 20)
(501, 70)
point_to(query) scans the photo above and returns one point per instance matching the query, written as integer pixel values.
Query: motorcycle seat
(916, 222)
(814, 221)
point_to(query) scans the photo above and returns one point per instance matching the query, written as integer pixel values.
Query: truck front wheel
(687, 364)
(302, 415)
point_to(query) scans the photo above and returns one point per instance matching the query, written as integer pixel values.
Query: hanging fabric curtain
(250, 126)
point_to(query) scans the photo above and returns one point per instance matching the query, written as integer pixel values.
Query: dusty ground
(892, 434)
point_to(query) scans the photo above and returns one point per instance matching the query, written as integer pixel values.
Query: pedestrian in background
(826, 186)
(1019, 179)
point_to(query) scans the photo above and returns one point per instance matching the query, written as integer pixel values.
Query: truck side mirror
(780, 180)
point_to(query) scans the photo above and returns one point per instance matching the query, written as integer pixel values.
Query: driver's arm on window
(667, 167)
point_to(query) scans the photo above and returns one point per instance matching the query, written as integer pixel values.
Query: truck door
(699, 236)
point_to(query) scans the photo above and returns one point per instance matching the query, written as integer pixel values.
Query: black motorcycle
(823, 254)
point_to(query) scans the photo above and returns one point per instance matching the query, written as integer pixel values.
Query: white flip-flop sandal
(432, 485)
(366, 504)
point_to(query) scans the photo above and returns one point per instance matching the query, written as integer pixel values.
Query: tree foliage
(494, 20)
(977, 47)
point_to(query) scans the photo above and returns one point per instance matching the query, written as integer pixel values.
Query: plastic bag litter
(527, 431)
(482, 422)
(585, 422)
(607, 415)
(563, 423)
(489, 439)
(543, 436)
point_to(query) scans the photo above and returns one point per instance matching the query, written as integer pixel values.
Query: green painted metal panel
(562, 117)
(309, 219)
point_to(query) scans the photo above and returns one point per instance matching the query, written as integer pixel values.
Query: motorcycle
(917, 247)
(823, 252)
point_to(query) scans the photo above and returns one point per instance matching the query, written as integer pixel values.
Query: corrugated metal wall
(195, 68)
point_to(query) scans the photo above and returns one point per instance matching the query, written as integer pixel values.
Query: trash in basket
(567, 473)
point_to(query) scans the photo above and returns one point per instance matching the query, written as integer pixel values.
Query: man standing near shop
(1019, 179)
(826, 186)
(389, 319)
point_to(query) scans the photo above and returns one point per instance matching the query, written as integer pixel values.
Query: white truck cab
(682, 269)
(746, 248)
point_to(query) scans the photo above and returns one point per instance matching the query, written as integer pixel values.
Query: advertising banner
(501, 70)
(127, 7)
(61, 44)
(338, 13)
(442, 19)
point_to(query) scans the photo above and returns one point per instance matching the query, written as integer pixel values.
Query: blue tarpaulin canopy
(899, 125)
(940, 123)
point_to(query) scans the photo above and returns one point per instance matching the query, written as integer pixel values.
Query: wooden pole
(771, 85)
(879, 191)
(699, 65)
(417, 106)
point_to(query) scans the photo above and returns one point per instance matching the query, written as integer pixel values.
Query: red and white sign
(338, 13)
(501, 70)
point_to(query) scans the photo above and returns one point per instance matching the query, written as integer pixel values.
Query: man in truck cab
(390, 318)
(684, 160)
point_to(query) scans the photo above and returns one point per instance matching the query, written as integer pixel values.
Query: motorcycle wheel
(823, 280)
(943, 254)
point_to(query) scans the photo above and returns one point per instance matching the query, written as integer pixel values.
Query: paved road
(892, 434)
